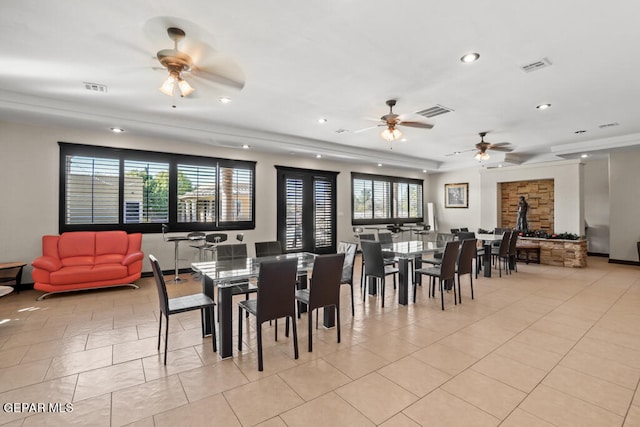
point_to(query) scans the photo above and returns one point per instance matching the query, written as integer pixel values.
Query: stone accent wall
(540, 197)
(561, 253)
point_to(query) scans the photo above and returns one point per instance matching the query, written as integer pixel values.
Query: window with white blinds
(146, 183)
(380, 199)
(197, 193)
(323, 213)
(104, 188)
(236, 194)
(293, 218)
(92, 190)
(306, 210)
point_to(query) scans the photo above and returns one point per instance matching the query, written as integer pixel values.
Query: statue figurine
(521, 221)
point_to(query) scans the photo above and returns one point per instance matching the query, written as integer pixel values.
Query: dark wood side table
(12, 272)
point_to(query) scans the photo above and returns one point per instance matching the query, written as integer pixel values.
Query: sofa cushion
(80, 274)
(109, 259)
(78, 260)
(78, 243)
(111, 242)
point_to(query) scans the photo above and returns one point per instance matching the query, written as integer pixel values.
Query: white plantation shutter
(151, 180)
(362, 199)
(92, 190)
(236, 194)
(197, 193)
(293, 218)
(323, 213)
(381, 199)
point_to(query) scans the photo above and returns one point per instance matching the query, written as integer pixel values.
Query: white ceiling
(339, 60)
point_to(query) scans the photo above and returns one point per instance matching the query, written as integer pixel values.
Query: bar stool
(176, 241)
(212, 241)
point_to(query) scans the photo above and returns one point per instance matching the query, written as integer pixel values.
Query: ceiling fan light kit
(175, 62)
(390, 134)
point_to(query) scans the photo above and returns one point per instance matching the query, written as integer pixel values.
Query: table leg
(329, 320)
(487, 259)
(176, 254)
(403, 281)
(302, 284)
(373, 286)
(225, 322)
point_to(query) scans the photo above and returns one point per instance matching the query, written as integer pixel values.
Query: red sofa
(87, 259)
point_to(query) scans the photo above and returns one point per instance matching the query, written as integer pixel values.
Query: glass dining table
(404, 252)
(228, 274)
(487, 242)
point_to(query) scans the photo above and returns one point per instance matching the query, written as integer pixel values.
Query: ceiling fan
(178, 63)
(483, 146)
(392, 120)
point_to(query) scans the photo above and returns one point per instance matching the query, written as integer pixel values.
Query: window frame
(390, 207)
(122, 154)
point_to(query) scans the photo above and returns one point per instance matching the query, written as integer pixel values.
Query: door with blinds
(307, 210)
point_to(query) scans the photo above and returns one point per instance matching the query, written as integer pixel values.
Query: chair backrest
(385, 238)
(240, 237)
(160, 285)
(448, 266)
(464, 229)
(235, 251)
(513, 242)
(504, 244)
(325, 280)
(498, 230)
(268, 248)
(467, 254)
(465, 235)
(455, 230)
(216, 237)
(349, 251)
(373, 259)
(276, 289)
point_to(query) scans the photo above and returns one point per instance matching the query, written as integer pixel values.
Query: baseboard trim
(623, 261)
(599, 254)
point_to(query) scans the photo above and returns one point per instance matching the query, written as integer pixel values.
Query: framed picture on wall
(456, 195)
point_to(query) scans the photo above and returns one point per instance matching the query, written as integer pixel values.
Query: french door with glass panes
(307, 210)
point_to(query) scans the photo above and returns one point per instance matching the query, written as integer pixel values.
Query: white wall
(596, 204)
(484, 196)
(568, 182)
(624, 196)
(30, 178)
(448, 218)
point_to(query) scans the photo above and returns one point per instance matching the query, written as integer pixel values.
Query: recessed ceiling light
(246, 146)
(424, 171)
(543, 106)
(470, 57)
(580, 131)
(379, 164)
(499, 166)
(403, 140)
(318, 156)
(117, 130)
(224, 99)
(584, 156)
(322, 120)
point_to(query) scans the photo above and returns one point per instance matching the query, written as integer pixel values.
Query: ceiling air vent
(609, 125)
(95, 87)
(536, 65)
(341, 131)
(434, 111)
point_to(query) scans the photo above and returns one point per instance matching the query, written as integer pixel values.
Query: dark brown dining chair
(375, 267)
(349, 251)
(270, 248)
(513, 243)
(501, 253)
(465, 263)
(445, 272)
(324, 290)
(276, 299)
(169, 306)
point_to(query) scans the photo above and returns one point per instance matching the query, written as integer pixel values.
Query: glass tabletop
(225, 273)
(413, 247)
(489, 237)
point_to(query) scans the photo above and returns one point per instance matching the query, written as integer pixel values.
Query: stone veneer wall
(561, 253)
(540, 197)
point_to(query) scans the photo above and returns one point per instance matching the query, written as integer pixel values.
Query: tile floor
(546, 346)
